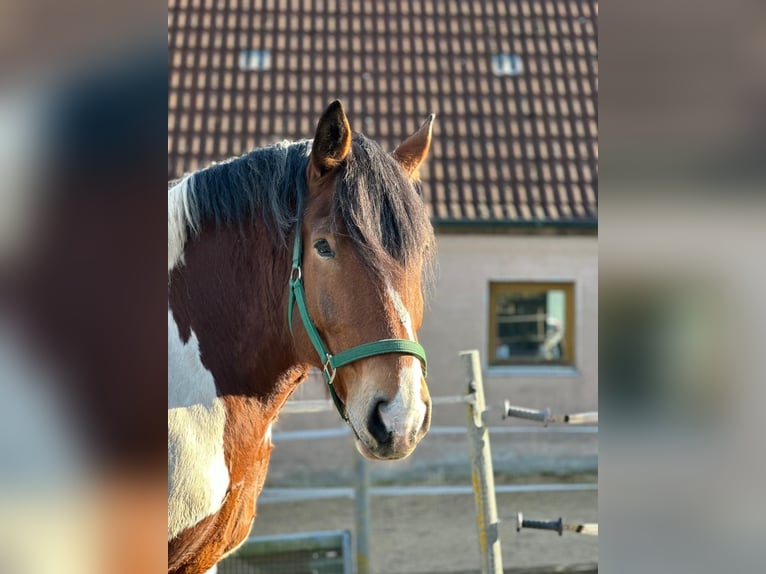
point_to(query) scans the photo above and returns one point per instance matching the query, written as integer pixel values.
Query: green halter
(330, 363)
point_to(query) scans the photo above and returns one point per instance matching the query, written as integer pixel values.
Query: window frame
(569, 360)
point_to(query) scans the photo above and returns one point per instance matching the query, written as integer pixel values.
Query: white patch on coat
(198, 477)
(179, 217)
(401, 310)
(406, 412)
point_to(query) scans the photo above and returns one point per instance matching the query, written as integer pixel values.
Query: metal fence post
(481, 468)
(362, 515)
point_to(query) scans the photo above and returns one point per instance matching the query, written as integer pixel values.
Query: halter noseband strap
(330, 363)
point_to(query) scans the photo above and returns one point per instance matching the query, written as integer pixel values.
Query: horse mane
(266, 185)
(381, 209)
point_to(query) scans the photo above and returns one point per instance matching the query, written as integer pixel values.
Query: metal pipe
(545, 416)
(510, 410)
(459, 400)
(582, 418)
(362, 515)
(555, 525)
(271, 495)
(588, 529)
(481, 469)
(337, 432)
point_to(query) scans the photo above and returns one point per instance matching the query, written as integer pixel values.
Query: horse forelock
(383, 212)
(381, 208)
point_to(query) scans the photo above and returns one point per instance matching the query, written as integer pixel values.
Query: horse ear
(413, 151)
(332, 141)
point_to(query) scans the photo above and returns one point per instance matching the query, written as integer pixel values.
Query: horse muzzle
(393, 430)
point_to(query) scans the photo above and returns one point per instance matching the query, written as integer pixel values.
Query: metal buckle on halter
(329, 375)
(293, 276)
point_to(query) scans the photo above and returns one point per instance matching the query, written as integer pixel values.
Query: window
(507, 65)
(255, 60)
(531, 324)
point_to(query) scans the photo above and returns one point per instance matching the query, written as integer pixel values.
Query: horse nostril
(426, 425)
(376, 426)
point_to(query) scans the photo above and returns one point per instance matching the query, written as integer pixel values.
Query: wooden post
(481, 469)
(362, 515)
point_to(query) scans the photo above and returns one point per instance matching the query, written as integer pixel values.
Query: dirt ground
(438, 534)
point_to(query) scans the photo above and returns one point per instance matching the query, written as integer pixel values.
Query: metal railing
(483, 487)
(327, 552)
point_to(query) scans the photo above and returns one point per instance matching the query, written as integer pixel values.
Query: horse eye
(324, 249)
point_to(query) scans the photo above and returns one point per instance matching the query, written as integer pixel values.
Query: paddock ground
(437, 534)
(431, 534)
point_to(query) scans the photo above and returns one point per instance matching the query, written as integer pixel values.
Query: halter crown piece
(331, 363)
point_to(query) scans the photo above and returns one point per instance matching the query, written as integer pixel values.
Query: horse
(313, 253)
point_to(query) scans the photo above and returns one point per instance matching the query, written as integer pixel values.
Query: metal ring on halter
(329, 374)
(293, 277)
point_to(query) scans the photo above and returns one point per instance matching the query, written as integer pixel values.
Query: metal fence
(303, 553)
(271, 555)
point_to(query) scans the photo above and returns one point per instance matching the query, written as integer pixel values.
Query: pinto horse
(306, 254)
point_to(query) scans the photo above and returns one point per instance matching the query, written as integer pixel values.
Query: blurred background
(512, 183)
(681, 277)
(511, 187)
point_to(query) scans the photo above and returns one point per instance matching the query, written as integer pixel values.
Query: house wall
(457, 318)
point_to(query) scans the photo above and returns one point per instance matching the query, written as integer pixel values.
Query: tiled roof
(519, 147)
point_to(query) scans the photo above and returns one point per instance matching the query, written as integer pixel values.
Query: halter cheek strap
(331, 363)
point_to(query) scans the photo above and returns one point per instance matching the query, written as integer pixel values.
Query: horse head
(367, 241)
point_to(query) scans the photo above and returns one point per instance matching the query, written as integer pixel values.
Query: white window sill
(532, 371)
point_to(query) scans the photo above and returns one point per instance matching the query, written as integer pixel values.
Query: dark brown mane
(381, 209)
(264, 187)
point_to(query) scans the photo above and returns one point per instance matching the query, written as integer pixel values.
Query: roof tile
(519, 147)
